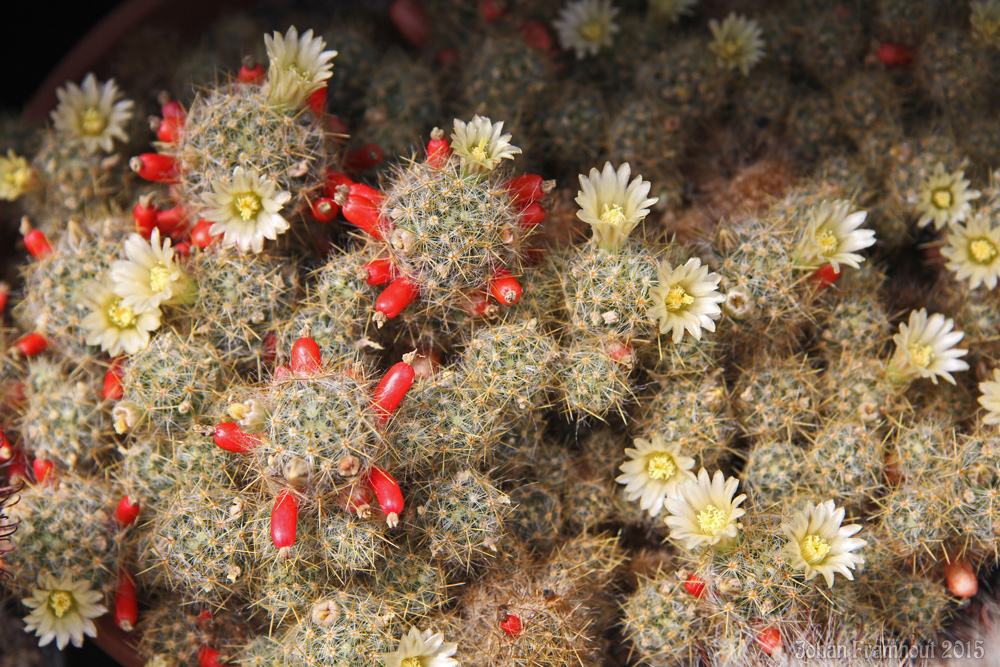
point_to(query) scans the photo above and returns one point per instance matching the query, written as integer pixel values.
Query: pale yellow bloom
(62, 609)
(92, 114)
(819, 544)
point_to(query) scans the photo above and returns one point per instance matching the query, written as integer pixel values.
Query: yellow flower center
(814, 549)
(17, 177)
(410, 662)
(827, 242)
(120, 317)
(661, 466)
(677, 298)
(988, 28)
(982, 250)
(479, 152)
(299, 74)
(61, 602)
(593, 31)
(92, 121)
(247, 204)
(612, 215)
(942, 198)
(922, 355)
(731, 49)
(158, 278)
(712, 520)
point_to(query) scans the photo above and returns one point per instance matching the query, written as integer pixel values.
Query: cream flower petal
(925, 348)
(586, 26)
(611, 205)
(703, 511)
(116, 328)
(944, 198)
(480, 145)
(653, 471)
(245, 210)
(973, 251)
(990, 398)
(686, 298)
(819, 545)
(298, 66)
(92, 115)
(737, 42)
(150, 276)
(429, 650)
(62, 609)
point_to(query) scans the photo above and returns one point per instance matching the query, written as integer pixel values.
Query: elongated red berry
(208, 657)
(172, 109)
(4, 295)
(126, 604)
(31, 345)
(505, 288)
(305, 358)
(269, 349)
(42, 469)
(366, 191)
(333, 180)
(317, 101)
(6, 449)
(396, 297)
(169, 130)
(390, 391)
(365, 214)
(532, 214)
(411, 21)
(961, 579)
(387, 492)
(694, 586)
(356, 499)
(230, 437)
(155, 168)
(323, 209)
(127, 511)
(144, 215)
(251, 71)
(284, 520)
(172, 220)
(536, 35)
(478, 304)
(511, 625)
(113, 381)
(380, 272)
(824, 276)
(201, 236)
(34, 240)
(893, 54)
(363, 158)
(526, 188)
(770, 640)
(438, 148)
(492, 9)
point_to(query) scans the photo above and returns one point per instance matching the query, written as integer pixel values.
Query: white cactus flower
(480, 145)
(832, 236)
(925, 348)
(973, 251)
(737, 42)
(819, 544)
(245, 210)
(298, 66)
(653, 471)
(687, 298)
(586, 26)
(62, 609)
(703, 511)
(944, 198)
(611, 205)
(92, 114)
(422, 649)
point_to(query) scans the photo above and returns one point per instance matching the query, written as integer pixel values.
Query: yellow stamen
(247, 204)
(827, 242)
(942, 198)
(410, 662)
(612, 215)
(982, 250)
(593, 32)
(731, 49)
(158, 278)
(814, 549)
(92, 121)
(120, 317)
(677, 298)
(298, 73)
(712, 520)
(661, 466)
(479, 152)
(921, 355)
(61, 602)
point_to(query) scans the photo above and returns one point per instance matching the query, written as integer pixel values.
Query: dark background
(36, 36)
